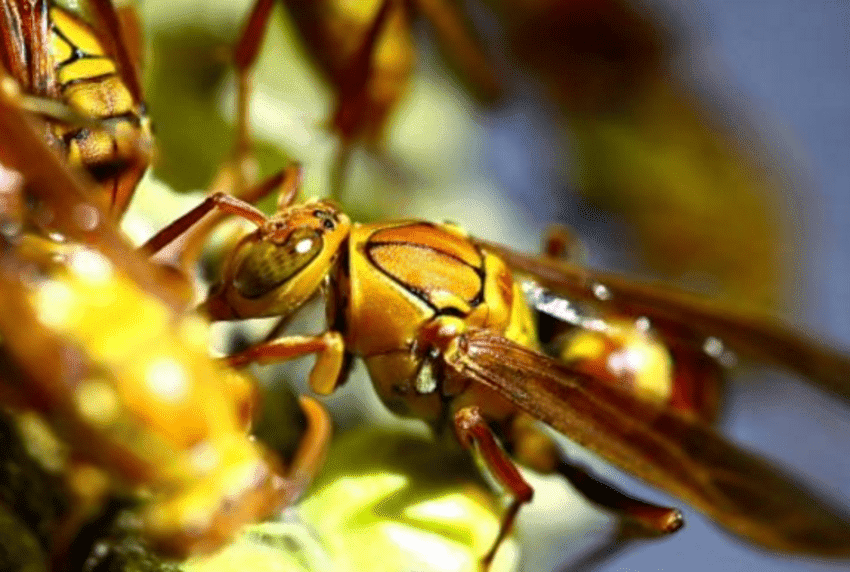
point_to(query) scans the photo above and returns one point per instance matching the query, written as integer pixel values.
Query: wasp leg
(535, 449)
(327, 373)
(651, 520)
(472, 429)
(310, 456)
(353, 98)
(636, 519)
(244, 56)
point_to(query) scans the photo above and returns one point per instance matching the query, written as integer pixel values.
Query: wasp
(442, 323)
(605, 65)
(107, 359)
(84, 81)
(366, 53)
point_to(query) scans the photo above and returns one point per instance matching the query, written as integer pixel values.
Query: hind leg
(532, 447)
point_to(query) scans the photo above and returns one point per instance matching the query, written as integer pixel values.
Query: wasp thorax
(267, 265)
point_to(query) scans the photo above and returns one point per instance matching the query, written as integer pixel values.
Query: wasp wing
(694, 318)
(463, 49)
(670, 450)
(122, 36)
(14, 48)
(25, 37)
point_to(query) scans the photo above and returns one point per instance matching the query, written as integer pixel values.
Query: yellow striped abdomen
(116, 154)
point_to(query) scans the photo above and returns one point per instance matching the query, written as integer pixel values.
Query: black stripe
(76, 52)
(90, 79)
(82, 132)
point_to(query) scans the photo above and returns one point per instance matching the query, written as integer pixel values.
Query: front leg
(220, 201)
(181, 241)
(327, 374)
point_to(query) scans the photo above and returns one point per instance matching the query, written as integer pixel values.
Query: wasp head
(278, 267)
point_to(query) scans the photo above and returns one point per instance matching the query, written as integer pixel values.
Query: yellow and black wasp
(83, 79)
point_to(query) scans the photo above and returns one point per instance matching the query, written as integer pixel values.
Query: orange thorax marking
(403, 274)
(440, 268)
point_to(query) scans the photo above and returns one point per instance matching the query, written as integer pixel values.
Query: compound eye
(267, 266)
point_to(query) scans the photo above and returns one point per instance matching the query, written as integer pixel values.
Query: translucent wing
(123, 39)
(749, 334)
(674, 452)
(14, 49)
(25, 45)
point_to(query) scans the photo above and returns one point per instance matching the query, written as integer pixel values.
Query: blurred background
(704, 144)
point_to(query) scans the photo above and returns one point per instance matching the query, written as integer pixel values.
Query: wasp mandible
(447, 336)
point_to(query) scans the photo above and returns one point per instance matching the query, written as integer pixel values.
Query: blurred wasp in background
(140, 401)
(366, 53)
(448, 337)
(96, 345)
(84, 81)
